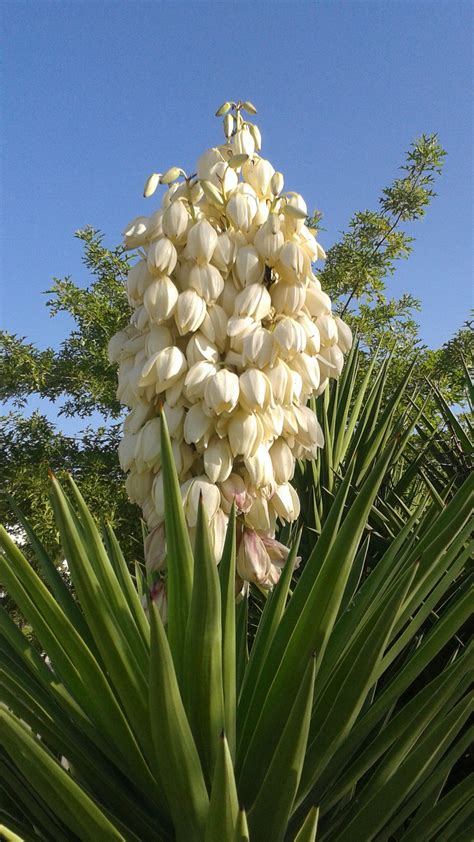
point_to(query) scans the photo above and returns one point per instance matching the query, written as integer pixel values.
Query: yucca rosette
(230, 336)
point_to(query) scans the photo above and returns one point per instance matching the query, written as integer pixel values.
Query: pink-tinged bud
(253, 561)
(233, 490)
(155, 549)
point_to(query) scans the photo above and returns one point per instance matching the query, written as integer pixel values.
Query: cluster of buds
(230, 336)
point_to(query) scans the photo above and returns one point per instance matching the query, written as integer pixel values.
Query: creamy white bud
(253, 301)
(260, 467)
(194, 490)
(218, 460)
(217, 533)
(199, 348)
(244, 434)
(289, 338)
(201, 242)
(293, 264)
(243, 143)
(282, 460)
(224, 253)
(214, 326)
(207, 281)
(176, 220)
(148, 446)
(198, 426)
(207, 161)
(317, 302)
(258, 517)
(115, 346)
(175, 419)
(135, 233)
(277, 183)
(249, 266)
(221, 393)
(258, 173)
(151, 184)
(257, 347)
(241, 209)
(160, 299)
(162, 257)
(287, 298)
(138, 486)
(190, 311)
(158, 338)
(196, 379)
(344, 335)
(269, 240)
(126, 451)
(255, 390)
(286, 502)
(327, 330)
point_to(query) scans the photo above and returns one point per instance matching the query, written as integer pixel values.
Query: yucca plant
(136, 730)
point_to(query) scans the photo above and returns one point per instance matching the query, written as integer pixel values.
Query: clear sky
(96, 95)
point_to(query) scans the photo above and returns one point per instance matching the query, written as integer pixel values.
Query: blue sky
(98, 94)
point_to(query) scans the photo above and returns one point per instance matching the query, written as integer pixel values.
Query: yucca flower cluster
(230, 336)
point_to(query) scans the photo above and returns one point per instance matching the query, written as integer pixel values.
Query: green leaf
(227, 589)
(458, 798)
(269, 816)
(76, 809)
(179, 554)
(307, 831)
(224, 806)
(203, 691)
(176, 760)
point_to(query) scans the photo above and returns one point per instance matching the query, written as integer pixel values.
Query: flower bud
(162, 257)
(224, 108)
(160, 299)
(218, 460)
(243, 143)
(253, 561)
(190, 311)
(253, 301)
(282, 460)
(151, 184)
(344, 335)
(244, 434)
(255, 390)
(221, 393)
(249, 267)
(202, 240)
(196, 489)
(286, 502)
(277, 183)
(175, 222)
(198, 427)
(228, 125)
(171, 175)
(207, 281)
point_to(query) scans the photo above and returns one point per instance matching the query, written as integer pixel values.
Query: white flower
(242, 208)
(248, 266)
(190, 311)
(160, 299)
(207, 281)
(244, 433)
(289, 338)
(260, 467)
(327, 330)
(202, 240)
(198, 489)
(286, 502)
(282, 460)
(175, 222)
(253, 301)
(344, 335)
(243, 143)
(198, 427)
(221, 393)
(162, 257)
(287, 298)
(196, 379)
(269, 240)
(218, 460)
(255, 390)
(258, 173)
